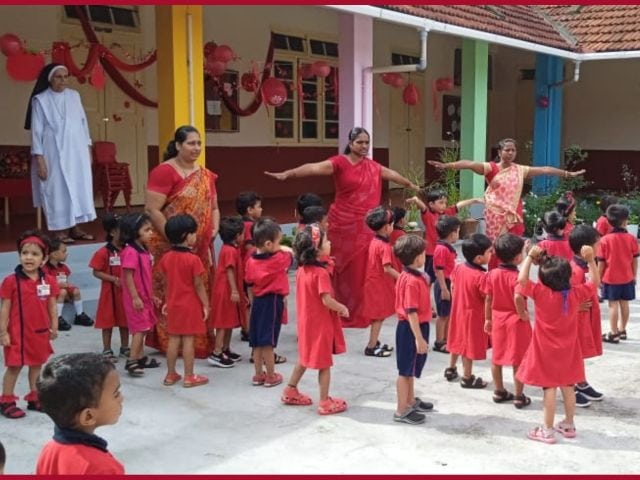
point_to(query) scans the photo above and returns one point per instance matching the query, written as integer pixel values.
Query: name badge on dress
(44, 290)
(114, 261)
(61, 278)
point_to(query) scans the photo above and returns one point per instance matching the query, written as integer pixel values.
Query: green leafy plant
(415, 174)
(450, 179)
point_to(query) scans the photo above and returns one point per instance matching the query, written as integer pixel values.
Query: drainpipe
(575, 79)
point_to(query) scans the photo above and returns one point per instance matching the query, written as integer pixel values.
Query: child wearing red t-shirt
(618, 267)
(80, 392)
(444, 260)
(57, 268)
(380, 278)
(106, 267)
(554, 359)
(556, 243)
(467, 337)
(228, 299)
(28, 321)
(602, 224)
(186, 306)
(510, 333)
(566, 206)
(413, 308)
(319, 329)
(266, 276)
(399, 223)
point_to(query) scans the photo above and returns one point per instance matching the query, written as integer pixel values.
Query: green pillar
(473, 134)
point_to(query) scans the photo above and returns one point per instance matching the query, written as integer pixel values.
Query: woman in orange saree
(358, 188)
(179, 186)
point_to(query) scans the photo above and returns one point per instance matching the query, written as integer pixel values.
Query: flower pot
(469, 227)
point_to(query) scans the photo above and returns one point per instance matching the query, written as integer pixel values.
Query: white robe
(59, 132)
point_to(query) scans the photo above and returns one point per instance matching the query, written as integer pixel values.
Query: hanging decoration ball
(321, 69)
(25, 66)
(397, 81)
(444, 84)
(410, 95)
(249, 82)
(10, 45)
(97, 79)
(543, 101)
(306, 71)
(274, 92)
(215, 68)
(209, 48)
(223, 53)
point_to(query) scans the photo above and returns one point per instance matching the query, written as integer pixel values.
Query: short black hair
(398, 214)
(446, 225)
(606, 201)
(110, 221)
(566, 204)
(305, 200)
(230, 228)
(130, 224)
(508, 246)
(407, 248)
(313, 214)
(38, 234)
(265, 230)
(54, 244)
(553, 222)
(617, 214)
(70, 383)
(476, 244)
(554, 272)
(378, 217)
(582, 235)
(246, 200)
(178, 227)
(432, 194)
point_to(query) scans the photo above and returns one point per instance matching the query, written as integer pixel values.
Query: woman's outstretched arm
(323, 168)
(481, 168)
(553, 171)
(393, 176)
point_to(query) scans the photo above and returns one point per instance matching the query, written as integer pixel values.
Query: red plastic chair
(110, 176)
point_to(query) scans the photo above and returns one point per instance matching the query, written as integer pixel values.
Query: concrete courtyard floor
(229, 426)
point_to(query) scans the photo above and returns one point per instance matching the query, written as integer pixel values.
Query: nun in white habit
(61, 155)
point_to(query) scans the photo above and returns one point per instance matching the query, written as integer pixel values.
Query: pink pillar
(356, 54)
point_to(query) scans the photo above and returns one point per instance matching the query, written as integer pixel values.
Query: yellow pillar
(180, 84)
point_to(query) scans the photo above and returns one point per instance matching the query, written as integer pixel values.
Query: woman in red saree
(505, 179)
(358, 188)
(176, 186)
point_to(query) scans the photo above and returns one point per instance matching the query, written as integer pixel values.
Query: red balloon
(249, 81)
(410, 95)
(274, 92)
(306, 71)
(10, 44)
(209, 48)
(321, 69)
(444, 84)
(223, 53)
(397, 81)
(97, 77)
(215, 68)
(25, 67)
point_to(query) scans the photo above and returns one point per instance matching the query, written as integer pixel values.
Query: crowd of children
(476, 310)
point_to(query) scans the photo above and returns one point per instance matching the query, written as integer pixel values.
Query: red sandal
(33, 403)
(8, 407)
(291, 396)
(331, 406)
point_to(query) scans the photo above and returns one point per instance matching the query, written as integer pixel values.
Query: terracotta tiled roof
(599, 28)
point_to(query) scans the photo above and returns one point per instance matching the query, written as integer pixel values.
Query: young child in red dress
(105, 264)
(443, 262)
(380, 279)
(602, 224)
(566, 206)
(399, 223)
(319, 328)
(467, 337)
(413, 308)
(80, 392)
(556, 243)
(510, 333)
(618, 267)
(589, 326)
(228, 300)
(186, 306)
(266, 275)
(28, 321)
(554, 359)
(137, 295)
(57, 268)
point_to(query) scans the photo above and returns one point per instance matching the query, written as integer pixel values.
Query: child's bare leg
(624, 315)
(257, 360)
(296, 375)
(172, 353)
(467, 367)
(374, 333)
(549, 405)
(496, 374)
(453, 360)
(219, 345)
(445, 328)
(124, 337)
(569, 398)
(613, 316)
(411, 394)
(518, 385)
(403, 385)
(137, 347)
(188, 354)
(9, 380)
(324, 379)
(267, 358)
(440, 331)
(106, 338)
(34, 373)
(226, 345)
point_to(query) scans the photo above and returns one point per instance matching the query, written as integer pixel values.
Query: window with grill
(114, 16)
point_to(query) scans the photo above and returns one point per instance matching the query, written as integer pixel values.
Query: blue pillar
(547, 132)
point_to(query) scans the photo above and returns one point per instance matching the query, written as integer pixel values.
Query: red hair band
(315, 235)
(37, 240)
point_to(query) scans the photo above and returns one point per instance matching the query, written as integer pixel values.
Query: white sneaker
(220, 360)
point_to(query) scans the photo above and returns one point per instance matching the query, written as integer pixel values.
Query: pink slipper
(291, 396)
(331, 406)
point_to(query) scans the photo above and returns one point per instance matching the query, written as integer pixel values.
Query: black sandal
(384, 347)
(133, 368)
(521, 401)
(611, 337)
(440, 347)
(501, 396)
(473, 382)
(451, 373)
(146, 362)
(622, 335)
(376, 351)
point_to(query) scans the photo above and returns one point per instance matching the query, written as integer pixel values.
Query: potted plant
(415, 174)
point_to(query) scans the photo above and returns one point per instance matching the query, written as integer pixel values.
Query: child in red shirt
(399, 223)
(413, 308)
(444, 260)
(319, 328)
(566, 206)
(467, 337)
(80, 392)
(602, 224)
(28, 321)
(228, 299)
(510, 333)
(266, 276)
(618, 267)
(554, 359)
(106, 267)
(186, 306)
(556, 242)
(380, 278)
(57, 268)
